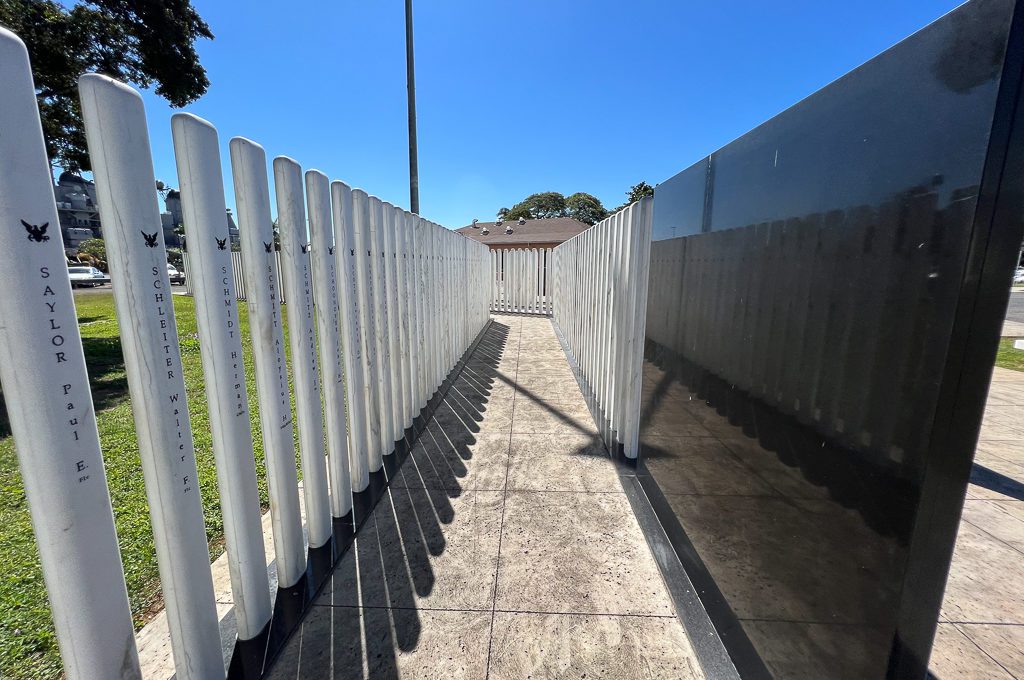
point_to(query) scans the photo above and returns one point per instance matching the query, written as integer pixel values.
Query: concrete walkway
(981, 627)
(505, 547)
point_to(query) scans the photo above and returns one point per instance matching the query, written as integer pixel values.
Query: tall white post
(202, 197)
(402, 304)
(325, 296)
(532, 299)
(409, 300)
(382, 319)
(345, 254)
(623, 286)
(435, 309)
(521, 281)
(640, 269)
(262, 296)
(494, 298)
(453, 321)
(602, 308)
(41, 362)
(387, 241)
(399, 322)
(367, 322)
(115, 125)
(419, 295)
(617, 227)
(298, 284)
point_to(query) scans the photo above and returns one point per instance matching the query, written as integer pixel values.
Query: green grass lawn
(28, 645)
(1008, 357)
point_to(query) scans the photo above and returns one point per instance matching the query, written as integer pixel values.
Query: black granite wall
(825, 300)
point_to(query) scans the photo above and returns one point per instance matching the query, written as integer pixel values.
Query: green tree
(635, 193)
(175, 257)
(142, 42)
(585, 208)
(95, 247)
(536, 206)
(638, 191)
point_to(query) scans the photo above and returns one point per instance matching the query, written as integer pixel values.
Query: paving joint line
(504, 500)
(983, 651)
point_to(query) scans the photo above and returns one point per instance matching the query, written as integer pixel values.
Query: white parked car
(175, 275)
(1018, 276)
(87, 276)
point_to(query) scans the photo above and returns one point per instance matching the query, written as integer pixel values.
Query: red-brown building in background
(540, 233)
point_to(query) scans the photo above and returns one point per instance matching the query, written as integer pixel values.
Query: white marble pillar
(115, 126)
(392, 271)
(405, 293)
(385, 378)
(298, 284)
(255, 228)
(419, 297)
(367, 322)
(328, 322)
(49, 406)
(345, 255)
(197, 153)
(637, 305)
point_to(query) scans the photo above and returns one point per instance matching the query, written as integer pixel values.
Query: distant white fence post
(328, 321)
(202, 197)
(42, 369)
(598, 300)
(345, 254)
(115, 125)
(252, 195)
(298, 280)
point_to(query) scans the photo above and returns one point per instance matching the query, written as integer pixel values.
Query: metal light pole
(414, 177)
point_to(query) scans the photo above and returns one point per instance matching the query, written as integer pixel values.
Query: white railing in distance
(520, 281)
(238, 267)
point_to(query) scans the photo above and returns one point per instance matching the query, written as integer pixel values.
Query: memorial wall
(824, 305)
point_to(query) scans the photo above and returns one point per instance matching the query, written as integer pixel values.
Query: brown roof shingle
(545, 230)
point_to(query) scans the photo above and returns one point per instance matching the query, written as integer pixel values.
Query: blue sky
(518, 97)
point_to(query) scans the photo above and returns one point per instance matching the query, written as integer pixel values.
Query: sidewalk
(981, 626)
(505, 547)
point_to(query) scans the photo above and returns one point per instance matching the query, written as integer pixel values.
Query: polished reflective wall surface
(823, 309)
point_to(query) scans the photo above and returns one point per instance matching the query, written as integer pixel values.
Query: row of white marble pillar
(600, 299)
(519, 280)
(381, 304)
